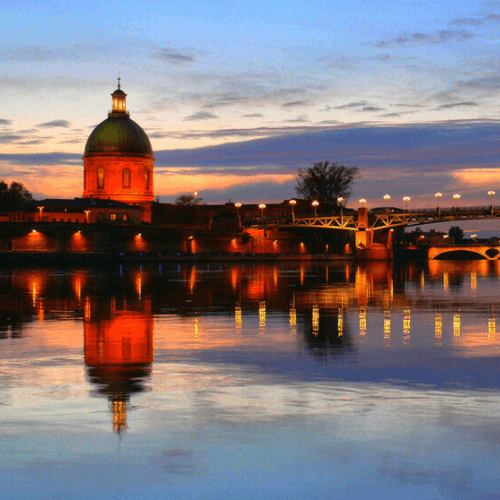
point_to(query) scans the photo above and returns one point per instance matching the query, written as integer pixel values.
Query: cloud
(5, 122)
(41, 53)
(173, 57)
(294, 104)
(476, 21)
(200, 115)
(370, 109)
(41, 159)
(436, 38)
(227, 99)
(358, 104)
(456, 105)
(298, 119)
(253, 115)
(54, 124)
(8, 138)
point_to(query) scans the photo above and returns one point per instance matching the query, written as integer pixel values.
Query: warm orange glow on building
(118, 160)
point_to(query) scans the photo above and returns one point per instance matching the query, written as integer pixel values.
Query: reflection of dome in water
(118, 351)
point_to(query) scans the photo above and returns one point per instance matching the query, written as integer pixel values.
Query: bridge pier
(372, 245)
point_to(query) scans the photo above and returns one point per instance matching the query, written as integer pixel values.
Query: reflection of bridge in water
(367, 223)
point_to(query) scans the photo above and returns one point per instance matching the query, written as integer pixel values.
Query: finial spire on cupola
(119, 100)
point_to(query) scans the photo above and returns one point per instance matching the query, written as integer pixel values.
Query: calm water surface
(250, 381)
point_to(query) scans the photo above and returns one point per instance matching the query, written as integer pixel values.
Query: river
(250, 380)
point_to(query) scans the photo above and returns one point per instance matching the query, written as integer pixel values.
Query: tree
(456, 233)
(188, 200)
(326, 182)
(15, 194)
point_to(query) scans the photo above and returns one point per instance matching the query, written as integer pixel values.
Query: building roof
(82, 203)
(120, 135)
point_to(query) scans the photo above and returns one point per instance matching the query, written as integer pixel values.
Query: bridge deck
(386, 220)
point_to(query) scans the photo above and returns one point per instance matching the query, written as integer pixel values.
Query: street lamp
(238, 206)
(438, 195)
(315, 204)
(362, 201)
(491, 194)
(293, 203)
(456, 197)
(262, 206)
(387, 197)
(406, 199)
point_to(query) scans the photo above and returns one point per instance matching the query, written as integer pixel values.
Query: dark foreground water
(286, 381)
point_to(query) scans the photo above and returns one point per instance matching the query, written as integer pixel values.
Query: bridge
(488, 252)
(373, 228)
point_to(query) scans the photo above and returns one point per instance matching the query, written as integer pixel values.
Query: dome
(118, 134)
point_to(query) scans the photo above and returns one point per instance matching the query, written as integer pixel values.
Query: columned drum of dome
(118, 160)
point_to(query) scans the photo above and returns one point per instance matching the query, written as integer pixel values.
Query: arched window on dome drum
(126, 178)
(100, 178)
(148, 180)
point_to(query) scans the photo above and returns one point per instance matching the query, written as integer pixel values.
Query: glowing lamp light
(362, 201)
(315, 204)
(387, 197)
(340, 199)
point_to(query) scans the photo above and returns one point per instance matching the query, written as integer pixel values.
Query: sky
(236, 96)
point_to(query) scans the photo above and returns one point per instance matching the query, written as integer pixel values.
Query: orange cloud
(486, 177)
(173, 184)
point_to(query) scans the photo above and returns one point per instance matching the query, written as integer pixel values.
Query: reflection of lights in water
(234, 278)
(302, 274)
(262, 313)
(138, 284)
(192, 280)
(41, 311)
(456, 325)
(473, 281)
(78, 288)
(237, 316)
(492, 328)
(275, 277)
(326, 275)
(87, 309)
(422, 280)
(34, 292)
(387, 328)
(195, 328)
(406, 326)
(315, 319)
(113, 306)
(119, 415)
(438, 326)
(340, 323)
(362, 321)
(293, 312)
(446, 281)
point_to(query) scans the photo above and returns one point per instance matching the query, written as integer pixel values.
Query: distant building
(81, 210)
(118, 160)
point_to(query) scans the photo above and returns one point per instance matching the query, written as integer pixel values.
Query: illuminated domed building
(118, 160)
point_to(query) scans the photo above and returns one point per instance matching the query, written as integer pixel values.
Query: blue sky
(235, 96)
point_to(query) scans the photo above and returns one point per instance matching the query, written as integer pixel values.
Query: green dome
(118, 134)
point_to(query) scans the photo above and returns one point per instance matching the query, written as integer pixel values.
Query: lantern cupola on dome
(119, 101)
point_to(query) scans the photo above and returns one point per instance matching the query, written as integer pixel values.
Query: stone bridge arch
(486, 252)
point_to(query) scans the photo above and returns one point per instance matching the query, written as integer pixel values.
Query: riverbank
(20, 258)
